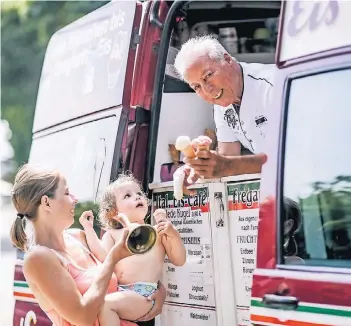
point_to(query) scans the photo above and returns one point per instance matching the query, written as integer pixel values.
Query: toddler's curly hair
(107, 205)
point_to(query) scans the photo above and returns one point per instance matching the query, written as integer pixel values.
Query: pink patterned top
(83, 279)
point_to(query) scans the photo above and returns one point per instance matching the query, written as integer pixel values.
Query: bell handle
(123, 219)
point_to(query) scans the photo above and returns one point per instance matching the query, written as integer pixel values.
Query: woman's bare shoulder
(79, 235)
(36, 258)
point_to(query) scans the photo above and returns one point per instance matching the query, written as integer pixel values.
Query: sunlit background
(26, 28)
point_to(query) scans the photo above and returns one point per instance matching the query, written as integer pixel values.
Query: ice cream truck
(109, 100)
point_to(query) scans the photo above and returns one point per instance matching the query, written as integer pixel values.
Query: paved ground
(7, 261)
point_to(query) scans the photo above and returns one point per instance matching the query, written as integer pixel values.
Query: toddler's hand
(166, 228)
(87, 220)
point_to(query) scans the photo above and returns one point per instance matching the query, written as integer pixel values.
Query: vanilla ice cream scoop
(184, 144)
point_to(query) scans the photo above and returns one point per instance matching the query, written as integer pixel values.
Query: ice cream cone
(201, 143)
(189, 152)
(160, 215)
(184, 144)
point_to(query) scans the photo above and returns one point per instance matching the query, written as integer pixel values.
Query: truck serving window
(317, 170)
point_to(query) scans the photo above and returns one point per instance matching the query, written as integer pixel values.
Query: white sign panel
(314, 26)
(190, 289)
(85, 65)
(243, 209)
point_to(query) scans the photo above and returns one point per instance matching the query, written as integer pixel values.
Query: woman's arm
(57, 287)
(159, 296)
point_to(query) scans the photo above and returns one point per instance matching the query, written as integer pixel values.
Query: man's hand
(209, 164)
(190, 178)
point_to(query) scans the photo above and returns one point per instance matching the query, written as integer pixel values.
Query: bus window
(317, 169)
(83, 154)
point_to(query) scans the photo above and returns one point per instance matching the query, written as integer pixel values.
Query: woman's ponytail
(18, 233)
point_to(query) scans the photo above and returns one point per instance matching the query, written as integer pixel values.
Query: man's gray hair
(195, 48)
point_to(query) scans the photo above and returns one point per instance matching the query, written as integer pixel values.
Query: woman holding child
(75, 284)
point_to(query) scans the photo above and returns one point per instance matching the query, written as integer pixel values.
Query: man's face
(215, 82)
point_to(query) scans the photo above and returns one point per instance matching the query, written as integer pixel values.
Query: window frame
(281, 169)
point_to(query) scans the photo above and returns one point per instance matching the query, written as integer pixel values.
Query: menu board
(243, 209)
(190, 288)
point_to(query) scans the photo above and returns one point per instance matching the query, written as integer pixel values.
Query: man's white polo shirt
(249, 126)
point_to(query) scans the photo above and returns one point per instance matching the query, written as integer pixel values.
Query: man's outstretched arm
(210, 164)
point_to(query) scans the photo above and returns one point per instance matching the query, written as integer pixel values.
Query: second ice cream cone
(202, 143)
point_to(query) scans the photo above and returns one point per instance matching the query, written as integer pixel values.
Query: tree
(26, 29)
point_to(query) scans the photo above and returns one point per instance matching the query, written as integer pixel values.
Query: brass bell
(141, 237)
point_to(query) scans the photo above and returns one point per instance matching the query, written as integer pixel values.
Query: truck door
(303, 274)
(154, 14)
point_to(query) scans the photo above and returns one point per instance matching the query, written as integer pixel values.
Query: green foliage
(26, 27)
(328, 208)
(86, 206)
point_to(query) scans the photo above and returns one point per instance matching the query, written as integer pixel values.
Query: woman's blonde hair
(108, 206)
(31, 184)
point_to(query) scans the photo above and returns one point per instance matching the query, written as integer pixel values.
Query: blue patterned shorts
(143, 288)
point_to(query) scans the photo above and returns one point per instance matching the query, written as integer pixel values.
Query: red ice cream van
(109, 100)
